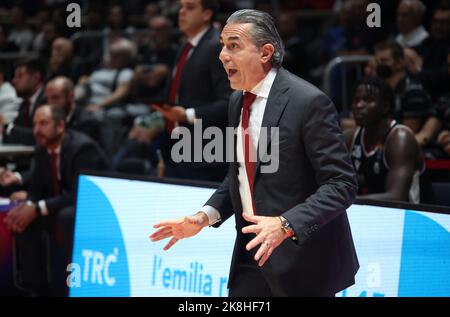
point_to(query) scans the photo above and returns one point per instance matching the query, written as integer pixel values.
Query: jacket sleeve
(221, 200)
(334, 173)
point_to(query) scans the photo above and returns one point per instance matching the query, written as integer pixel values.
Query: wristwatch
(286, 226)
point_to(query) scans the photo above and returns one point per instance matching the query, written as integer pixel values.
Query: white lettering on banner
(191, 280)
(96, 269)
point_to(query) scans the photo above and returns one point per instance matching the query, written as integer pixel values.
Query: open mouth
(231, 72)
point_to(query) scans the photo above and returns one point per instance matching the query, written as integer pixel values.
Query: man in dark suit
(59, 156)
(60, 92)
(198, 86)
(29, 83)
(296, 215)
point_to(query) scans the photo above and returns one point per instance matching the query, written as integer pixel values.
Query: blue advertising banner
(401, 252)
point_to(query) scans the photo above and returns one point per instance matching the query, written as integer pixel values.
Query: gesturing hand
(171, 113)
(269, 235)
(178, 229)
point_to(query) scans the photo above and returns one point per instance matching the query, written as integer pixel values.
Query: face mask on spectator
(384, 71)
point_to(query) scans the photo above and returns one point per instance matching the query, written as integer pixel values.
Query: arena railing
(346, 63)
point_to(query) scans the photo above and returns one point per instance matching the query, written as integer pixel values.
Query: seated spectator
(6, 45)
(20, 34)
(109, 86)
(387, 158)
(156, 57)
(147, 83)
(62, 61)
(139, 153)
(60, 92)
(118, 22)
(435, 135)
(352, 36)
(157, 47)
(428, 61)
(412, 103)
(409, 23)
(9, 102)
(151, 9)
(42, 43)
(60, 155)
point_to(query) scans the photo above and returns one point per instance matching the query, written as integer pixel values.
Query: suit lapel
(63, 158)
(276, 103)
(236, 110)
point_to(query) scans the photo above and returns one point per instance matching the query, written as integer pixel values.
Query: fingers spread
(170, 244)
(265, 257)
(161, 234)
(255, 241)
(251, 229)
(167, 223)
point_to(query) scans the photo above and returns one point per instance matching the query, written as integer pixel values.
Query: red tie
(175, 84)
(55, 180)
(249, 149)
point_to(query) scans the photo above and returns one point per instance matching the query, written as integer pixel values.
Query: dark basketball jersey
(372, 168)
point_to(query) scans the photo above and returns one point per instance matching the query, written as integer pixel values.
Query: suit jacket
(83, 121)
(22, 132)
(204, 86)
(78, 152)
(312, 188)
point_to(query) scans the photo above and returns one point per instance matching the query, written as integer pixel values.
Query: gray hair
(263, 31)
(123, 46)
(417, 6)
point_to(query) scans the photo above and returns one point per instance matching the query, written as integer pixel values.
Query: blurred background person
(43, 41)
(198, 88)
(20, 33)
(5, 44)
(411, 31)
(59, 156)
(9, 101)
(62, 61)
(428, 61)
(412, 102)
(387, 158)
(28, 81)
(60, 92)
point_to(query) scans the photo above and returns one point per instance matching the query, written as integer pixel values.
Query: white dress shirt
(261, 90)
(413, 38)
(9, 102)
